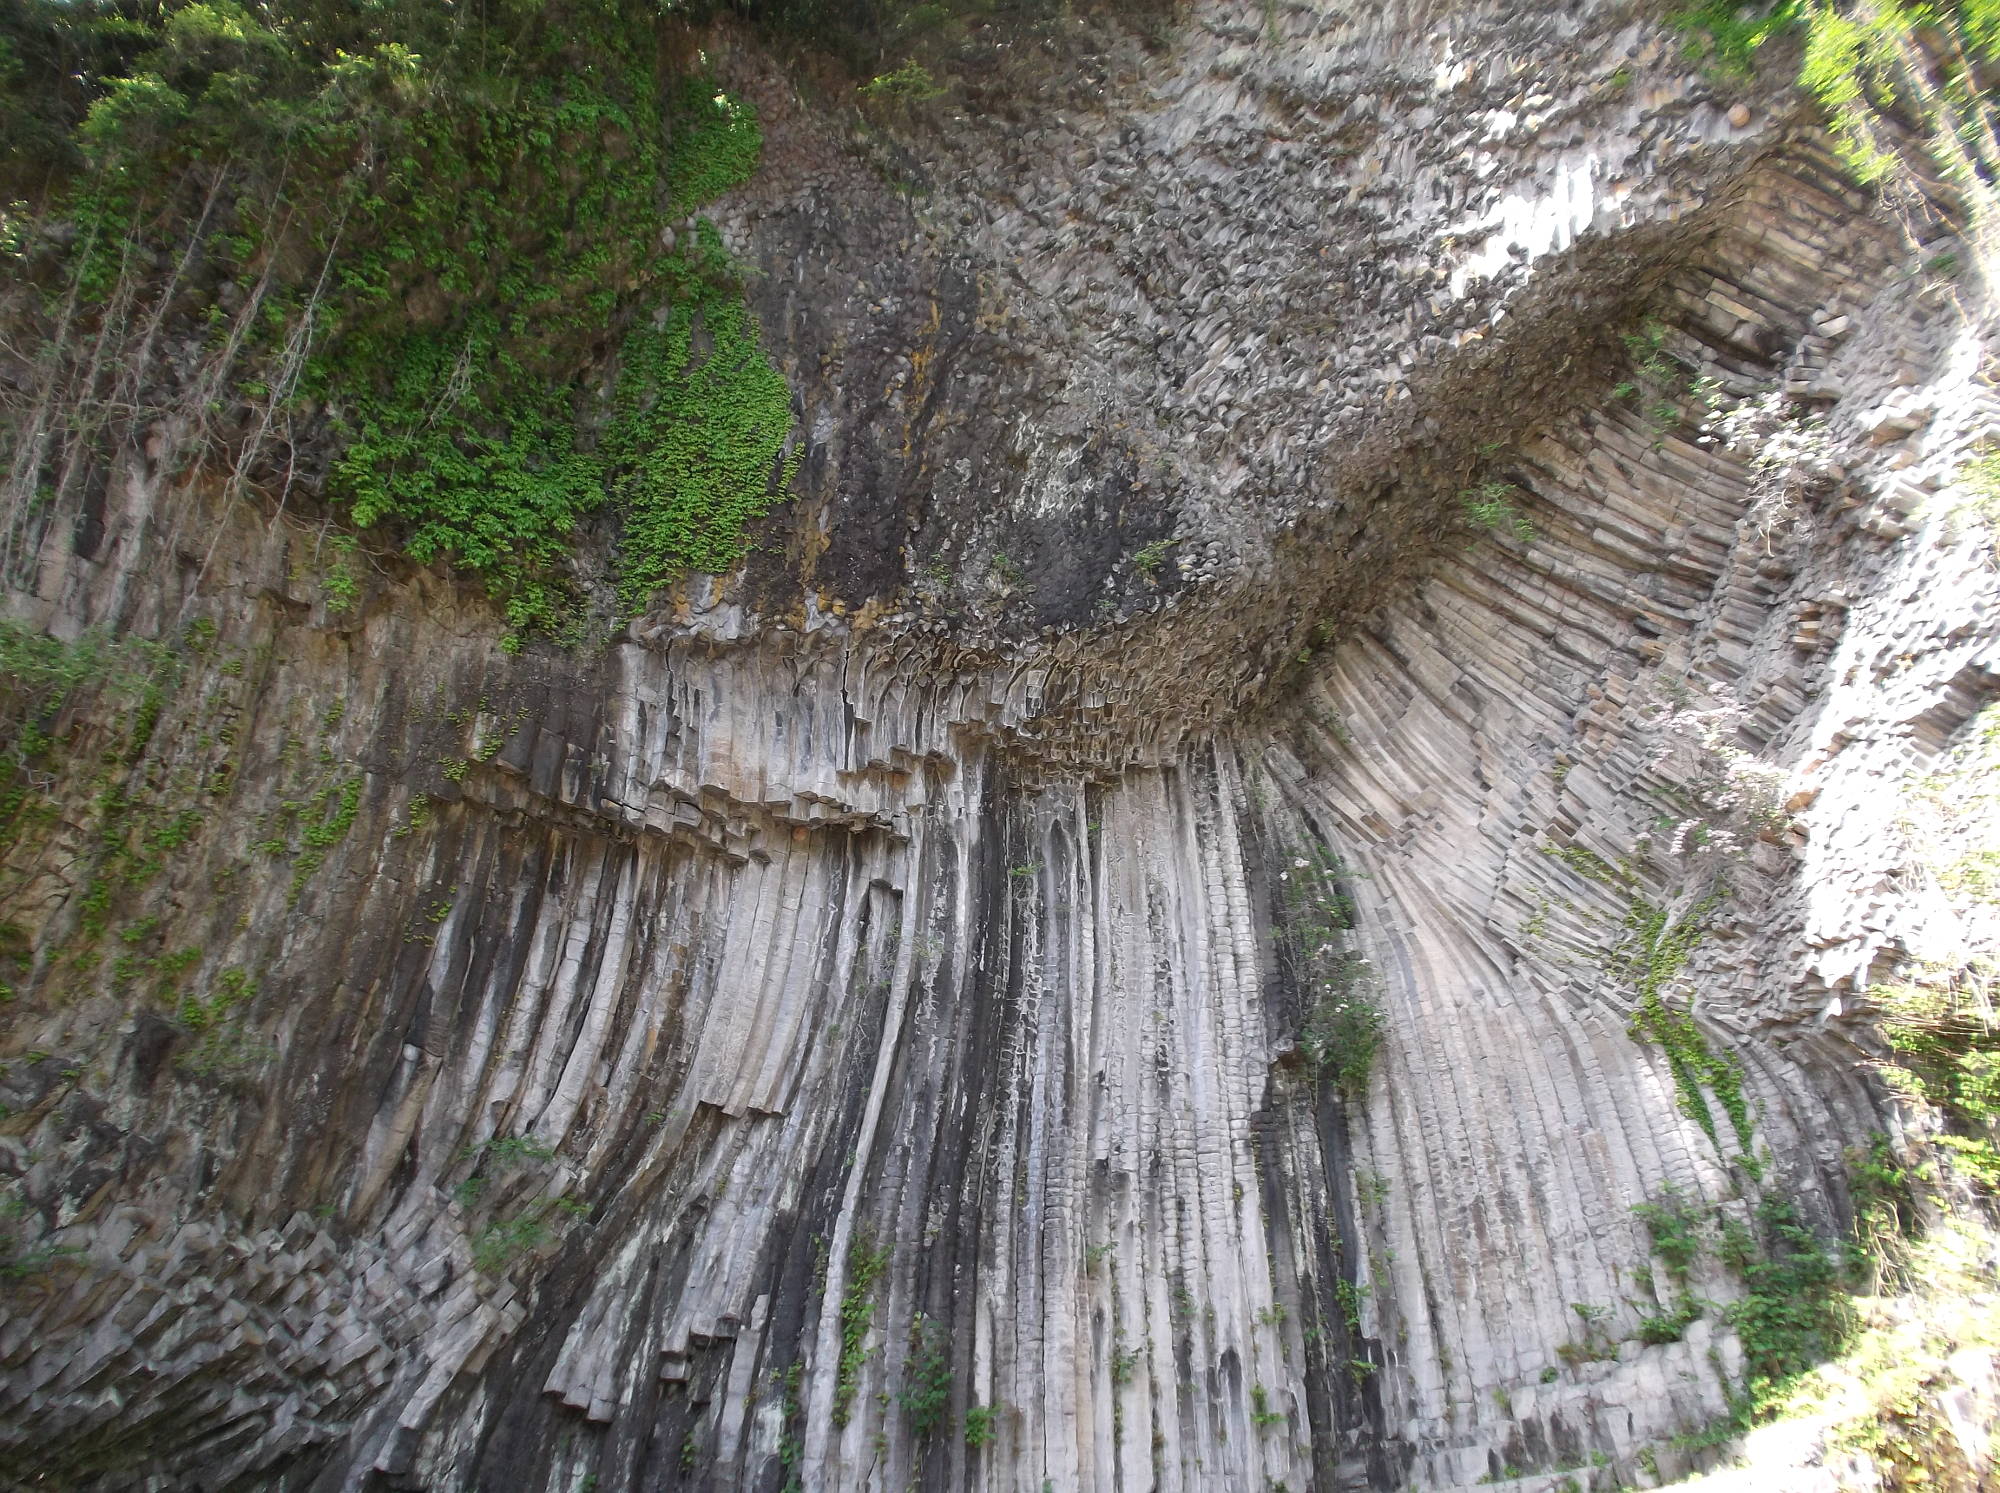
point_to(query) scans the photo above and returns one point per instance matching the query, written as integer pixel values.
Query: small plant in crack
(1491, 507)
(1343, 1021)
(926, 1392)
(1261, 1413)
(1660, 381)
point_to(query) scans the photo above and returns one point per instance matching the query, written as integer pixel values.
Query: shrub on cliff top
(432, 239)
(1877, 68)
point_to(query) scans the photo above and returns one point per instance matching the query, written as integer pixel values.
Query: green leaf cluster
(1905, 59)
(452, 234)
(1911, 61)
(1796, 1315)
(1674, 1225)
(866, 1264)
(1656, 949)
(926, 1392)
(1343, 1022)
(1947, 1054)
(979, 1426)
(1730, 33)
(1490, 506)
(39, 674)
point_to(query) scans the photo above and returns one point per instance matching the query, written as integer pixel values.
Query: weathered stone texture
(856, 910)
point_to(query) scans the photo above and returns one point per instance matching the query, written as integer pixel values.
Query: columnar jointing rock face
(846, 1059)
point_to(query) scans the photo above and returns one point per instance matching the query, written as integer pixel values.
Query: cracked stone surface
(877, 959)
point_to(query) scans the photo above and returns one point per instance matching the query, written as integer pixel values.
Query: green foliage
(20, 1260)
(1884, 1192)
(168, 965)
(1343, 1022)
(1589, 865)
(223, 1049)
(1147, 559)
(49, 49)
(1651, 361)
(1261, 1413)
(911, 83)
(1896, 1395)
(232, 990)
(1659, 380)
(695, 450)
(1343, 1028)
(1914, 62)
(335, 808)
(469, 434)
(129, 842)
(338, 583)
(1656, 949)
(1490, 506)
(1674, 1224)
(1667, 1327)
(497, 1157)
(866, 1264)
(1795, 1315)
(446, 228)
(510, 1151)
(39, 674)
(1946, 1047)
(790, 1447)
(1938, 1020)
(1978, 483)
(1350, 1294)
(1730, 33)
(506, 1240)
(979, 1427)
(509, 1237)
(926, 1392)
(1123, 1362)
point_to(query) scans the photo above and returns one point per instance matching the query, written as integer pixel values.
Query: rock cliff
(901, 1015)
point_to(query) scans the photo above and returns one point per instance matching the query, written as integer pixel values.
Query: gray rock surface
(859, 995)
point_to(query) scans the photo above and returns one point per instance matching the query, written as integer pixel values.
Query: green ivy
(696, 446)
(1657, 949)
(39, 674)
(1910, 60)
(474, 438)
(505, 1240)
(1947, 1054)
(1669, 1326)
